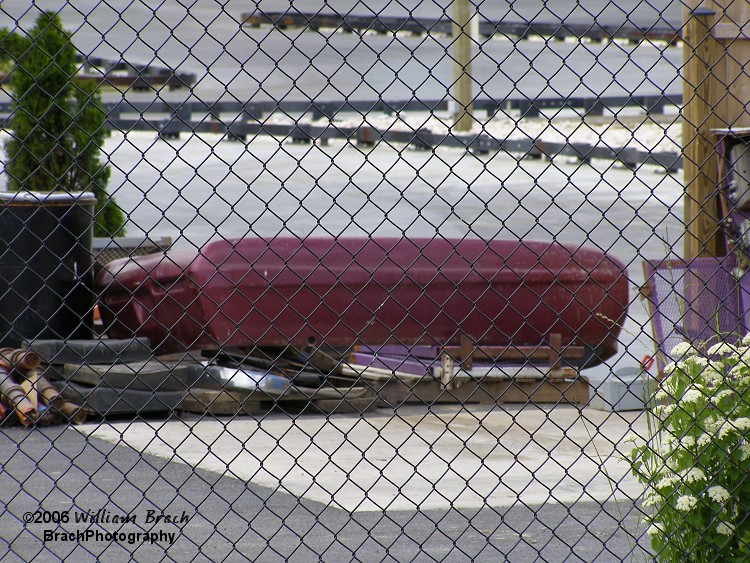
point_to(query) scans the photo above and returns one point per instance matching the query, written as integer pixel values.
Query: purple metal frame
(706, 299)
(698, 301)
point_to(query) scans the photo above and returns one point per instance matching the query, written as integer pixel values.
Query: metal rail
(348, 23)
(240, 120)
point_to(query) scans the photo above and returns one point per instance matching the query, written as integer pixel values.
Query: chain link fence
(365, 281)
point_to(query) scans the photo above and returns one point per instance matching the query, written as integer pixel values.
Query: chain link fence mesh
(395, 281)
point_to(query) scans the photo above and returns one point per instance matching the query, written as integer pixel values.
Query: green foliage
(57, 123)
(12, 46)
(696, 466)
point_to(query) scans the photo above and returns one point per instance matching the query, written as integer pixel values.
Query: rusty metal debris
(26, 395)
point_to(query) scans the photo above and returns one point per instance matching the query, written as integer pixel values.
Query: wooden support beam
(554, 353)
(716, 36)
(461, 15)
(702, 54)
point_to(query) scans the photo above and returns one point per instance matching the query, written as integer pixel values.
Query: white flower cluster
(651, 499)
(683, 349)
(739, 425)
(725, 430)
(712, 425)
(667, 482)
(699, 361)
(718, 494)
(712, 376)
(687, 476)
(666, 447)
(740, 373)
(693, 475)
(721, 349)
(664, 410)
(702, 424)
(723, 394)
(687, 442)
(660, 396)
(692, 396)
(724, 529)
(631, 437)
(686, 503)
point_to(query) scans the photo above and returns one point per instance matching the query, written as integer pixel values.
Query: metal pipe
(45, 417)
(57, 404)
(19, 359)
(72, 412)
(16, 397)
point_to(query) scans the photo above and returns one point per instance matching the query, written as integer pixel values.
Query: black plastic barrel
(46, 273)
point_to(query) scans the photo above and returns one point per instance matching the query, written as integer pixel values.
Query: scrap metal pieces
(14, 397)
(29, 395)
(19, 359)
(109, 377)
(58, 404)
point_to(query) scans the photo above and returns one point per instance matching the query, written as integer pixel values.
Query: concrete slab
(420, 458)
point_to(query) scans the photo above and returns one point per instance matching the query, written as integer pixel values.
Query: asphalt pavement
(59, 470)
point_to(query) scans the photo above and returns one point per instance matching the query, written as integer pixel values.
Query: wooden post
(462, 87)
(716, 93)
(701, 54)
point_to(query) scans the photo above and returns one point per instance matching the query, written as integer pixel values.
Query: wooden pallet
(519, 375)
(484, 391)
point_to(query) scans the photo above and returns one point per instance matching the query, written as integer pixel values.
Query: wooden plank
(394, 393)
(446, 373)
(731, 66)
(462, 81)
(701, 92)
(555, 350)
(140, 376)
(526, 372)
(219, 402)
(466, 358)
(500, 353)
(377, 374)
(731, 31)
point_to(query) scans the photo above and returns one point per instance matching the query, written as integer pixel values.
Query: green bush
(696, 463)
(57, 123)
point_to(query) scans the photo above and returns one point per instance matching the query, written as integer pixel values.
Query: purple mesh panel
(696, 301)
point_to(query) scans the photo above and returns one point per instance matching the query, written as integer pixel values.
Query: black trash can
(46, 266)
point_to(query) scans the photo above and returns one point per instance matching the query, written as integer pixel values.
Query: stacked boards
(112, 377)
(123, 378)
